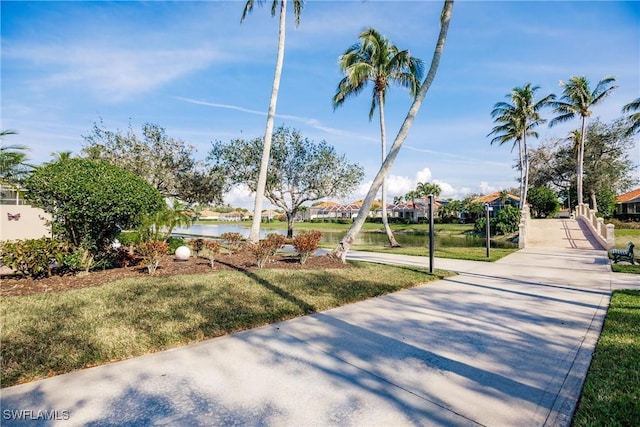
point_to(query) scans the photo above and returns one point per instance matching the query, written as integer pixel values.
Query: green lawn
(623, 237)
(611, 393)
(471, 254)
(367, 226)
(626, 235)
(54, 333)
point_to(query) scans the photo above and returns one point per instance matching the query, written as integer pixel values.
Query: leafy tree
(340, 251)
(607, 164)
(299, 171)
(516, 121)
(261, 184)
(166, 163)
(577, 100)
(634, 118)
(543, 202)
(89, 201)
(375, 59)
(13, 166)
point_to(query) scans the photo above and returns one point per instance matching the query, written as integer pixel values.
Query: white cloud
(486, 188)
(240, 197)
(113, 73)
(424, 175)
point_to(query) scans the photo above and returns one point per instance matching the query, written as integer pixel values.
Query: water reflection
(333, 237)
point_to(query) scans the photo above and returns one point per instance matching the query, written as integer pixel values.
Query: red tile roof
(493, 196)
(627, 197)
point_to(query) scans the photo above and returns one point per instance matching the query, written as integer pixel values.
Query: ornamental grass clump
(152, 253)
(233, 241)
(306, 244)
(210, 249)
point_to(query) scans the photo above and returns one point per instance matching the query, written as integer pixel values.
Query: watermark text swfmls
(33, 415)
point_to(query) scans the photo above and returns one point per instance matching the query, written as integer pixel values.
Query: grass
(611, 393)
(623, 237)
(367, 226)
(466, 253)
(626, 235)
(50, 334)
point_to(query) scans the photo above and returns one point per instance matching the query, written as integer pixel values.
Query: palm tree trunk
(579, 172)
(383, 136)
(340, 251)
(521, 154)
(254, 235)
(525, 189)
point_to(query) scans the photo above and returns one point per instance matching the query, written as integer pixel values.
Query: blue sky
(192, 68)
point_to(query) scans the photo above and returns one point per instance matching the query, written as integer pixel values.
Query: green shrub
(174, 243)
(129, 238)
(306, 243)
(78, 260)
(152, 252)
(506, 221)
(89, 201)
(624, 224)
(34, 258)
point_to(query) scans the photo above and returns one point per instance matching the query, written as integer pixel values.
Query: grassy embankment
(611, 393)
(442, 230)
(54, 333)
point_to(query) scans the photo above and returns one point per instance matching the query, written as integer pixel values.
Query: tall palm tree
(516, 121)
(340, 251)
(577, 99)
(375, 59)
(634, 118)
(254, 235)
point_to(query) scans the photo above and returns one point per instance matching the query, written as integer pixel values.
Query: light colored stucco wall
(31, 224)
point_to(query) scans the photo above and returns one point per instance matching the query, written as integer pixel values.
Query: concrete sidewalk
(500, 344)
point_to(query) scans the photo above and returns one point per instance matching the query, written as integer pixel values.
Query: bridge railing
(525, 218)
(604, 233)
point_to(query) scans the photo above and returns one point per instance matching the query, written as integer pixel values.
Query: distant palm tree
(426, 188)
(254, 235)
(375, 59)
(516, 121)
(633, 118)
(59, 156)
(577, 99)
(13, 166)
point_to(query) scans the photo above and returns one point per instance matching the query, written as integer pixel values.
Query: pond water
(333, 237)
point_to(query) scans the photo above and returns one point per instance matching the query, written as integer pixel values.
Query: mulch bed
(12, 285)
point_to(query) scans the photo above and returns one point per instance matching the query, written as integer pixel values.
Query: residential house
(498, 200)
(628, 206)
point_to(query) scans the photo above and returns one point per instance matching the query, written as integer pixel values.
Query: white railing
(525, 217)
(604, 233)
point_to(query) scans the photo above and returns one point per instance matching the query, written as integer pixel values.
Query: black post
(431, 233)
(486, 208)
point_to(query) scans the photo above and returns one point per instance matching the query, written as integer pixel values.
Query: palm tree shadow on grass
(303, 305)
